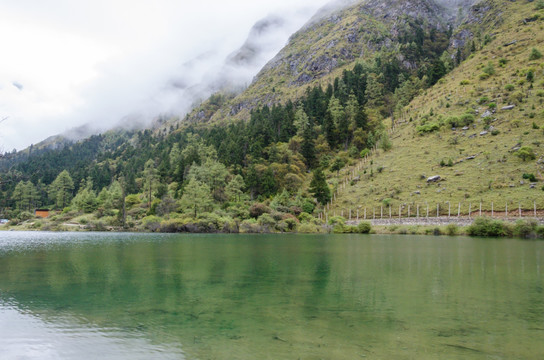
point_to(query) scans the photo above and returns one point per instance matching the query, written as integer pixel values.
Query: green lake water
(141, 296)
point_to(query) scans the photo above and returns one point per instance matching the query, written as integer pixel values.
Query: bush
(530, 177)
(364, 227)
(364, 152)
(308, 228)
(467, 119)
(427, 128)
(25, 215)
(250, 226)
(452, 229)
(267, 221)
(509, 87)
(483, 100)
(535, 54)
(308, 206)
(526, 229)
(525, 153)
(173, 225)
(338, 224)
(484, 226)
(258, 209)
(151, 223)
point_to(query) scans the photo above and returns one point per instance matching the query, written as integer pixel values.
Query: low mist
(68, 64)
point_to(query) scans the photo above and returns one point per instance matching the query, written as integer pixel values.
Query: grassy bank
(481, 227)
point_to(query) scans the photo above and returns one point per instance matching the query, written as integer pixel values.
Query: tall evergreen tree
(61, 189)
(319, 187)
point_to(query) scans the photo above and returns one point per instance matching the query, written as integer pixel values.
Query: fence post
(326, 218)
(390, 211)
(427, 210)
(459, 210)
(374, 213)
(506, 211)
(449, 209)
(492, 209)
(381, 212)
(469, 209)
(480, 208)
(400, 210)
(534, 205)
(519, 206)
(408, 210)
(350, 214)
(417, 215)
(357, 214)
(342, 213)
(437, 210)
(365, 213)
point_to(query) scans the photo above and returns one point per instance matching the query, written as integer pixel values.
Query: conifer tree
(61, 189)
(319, 187)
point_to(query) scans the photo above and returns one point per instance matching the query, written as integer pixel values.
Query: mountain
(334, 39)
(469, 127)
(417, 88)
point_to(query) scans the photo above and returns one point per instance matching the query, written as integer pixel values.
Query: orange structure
(43, 213)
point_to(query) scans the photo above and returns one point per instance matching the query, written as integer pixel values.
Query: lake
(147, 296)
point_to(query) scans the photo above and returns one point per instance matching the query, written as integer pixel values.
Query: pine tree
(319, 187)
(150, 178)
(196, 198)
(61, 189)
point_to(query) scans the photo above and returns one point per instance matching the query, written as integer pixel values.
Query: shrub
(517, 96)
(540, 93)
(489, 69)
(502, 62)
(509, 87)
(258, 209)
(467, 119)
(483, 100)
(452, 229)
(495, 132)
(364, 227)
(535, 126)
(338, 223)
(525, 153)
(530, 177)
(526, 228)
(266, 221)
(535, 54)
(484, 226)
(308, 228)
(25, 215)
(250, 226)
(151, 223)
(427, 128)
(308, 206)
(464, 82)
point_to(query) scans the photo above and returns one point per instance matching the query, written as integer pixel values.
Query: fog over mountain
(68, 64)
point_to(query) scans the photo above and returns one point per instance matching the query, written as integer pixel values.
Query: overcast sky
(65, 63)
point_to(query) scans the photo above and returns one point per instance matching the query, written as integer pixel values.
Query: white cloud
(98, 61)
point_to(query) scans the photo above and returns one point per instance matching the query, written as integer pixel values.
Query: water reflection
(239, 297)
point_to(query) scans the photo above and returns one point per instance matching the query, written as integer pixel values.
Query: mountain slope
(335, 40)
(476, 159)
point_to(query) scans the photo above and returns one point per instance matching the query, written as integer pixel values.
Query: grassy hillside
(477, 162)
